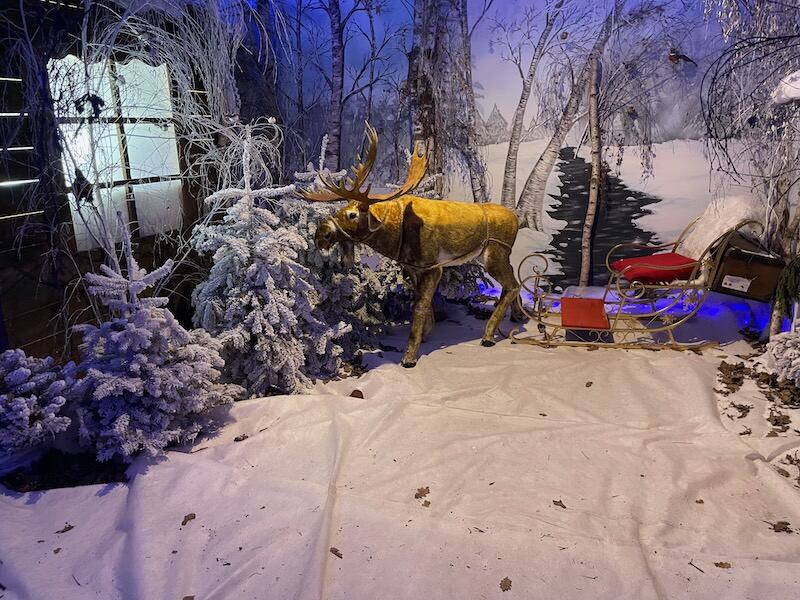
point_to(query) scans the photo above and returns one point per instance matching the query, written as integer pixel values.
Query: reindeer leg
(497, 264)
(426, 283)
(429, 322)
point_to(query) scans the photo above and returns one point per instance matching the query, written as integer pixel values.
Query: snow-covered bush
(285, 313)
(260, 302)
(463, 281)
(32, 394)
(146, 382)
(784, 352)
(357, 296)
(719, 216)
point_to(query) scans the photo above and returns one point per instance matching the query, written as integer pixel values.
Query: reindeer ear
(375, 216)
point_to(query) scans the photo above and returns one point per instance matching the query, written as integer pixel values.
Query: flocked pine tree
(32, 394)
(784, 350)
(357, 296)
(146, 381)
(259, 300)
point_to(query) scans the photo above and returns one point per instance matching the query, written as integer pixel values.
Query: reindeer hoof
(409, 364)
(487, 343)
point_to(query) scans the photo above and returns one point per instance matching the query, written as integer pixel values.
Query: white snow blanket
(788, 90)
(562, 473)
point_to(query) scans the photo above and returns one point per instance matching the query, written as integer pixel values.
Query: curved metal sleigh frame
(639, 314)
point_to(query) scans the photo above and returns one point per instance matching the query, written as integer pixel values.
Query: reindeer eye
(352, 216)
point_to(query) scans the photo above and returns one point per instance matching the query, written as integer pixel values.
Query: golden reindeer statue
(421, 234)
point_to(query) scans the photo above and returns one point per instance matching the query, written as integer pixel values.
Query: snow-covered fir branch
(33, 392)
(144, 382)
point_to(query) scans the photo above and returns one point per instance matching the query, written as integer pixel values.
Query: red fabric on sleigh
(656, 268)
(583, 313)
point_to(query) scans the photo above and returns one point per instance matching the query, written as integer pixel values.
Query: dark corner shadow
(212, 428)
(140, 466)
(55, 469)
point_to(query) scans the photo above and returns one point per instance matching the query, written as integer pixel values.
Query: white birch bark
(509, 193)
(597, 172)
(531, 201)
(477, 168)
(337, 86)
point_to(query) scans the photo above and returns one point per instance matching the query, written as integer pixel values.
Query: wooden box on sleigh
(746, 270)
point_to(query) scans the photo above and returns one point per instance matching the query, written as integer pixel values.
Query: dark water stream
(615, 223)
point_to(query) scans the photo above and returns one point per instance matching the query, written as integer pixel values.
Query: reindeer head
(359, 221)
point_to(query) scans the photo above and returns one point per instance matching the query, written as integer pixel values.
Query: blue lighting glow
(729, 311)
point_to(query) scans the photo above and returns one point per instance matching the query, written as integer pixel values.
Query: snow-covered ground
(561, 473)
(509, 472)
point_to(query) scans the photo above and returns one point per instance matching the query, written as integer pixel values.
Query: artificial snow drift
(563, 473)
(788, 90)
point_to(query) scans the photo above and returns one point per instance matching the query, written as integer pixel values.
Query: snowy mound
(788, 89)
(563, 473)
(784, 353)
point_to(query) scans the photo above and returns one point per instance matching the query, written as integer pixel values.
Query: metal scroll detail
(640, 315)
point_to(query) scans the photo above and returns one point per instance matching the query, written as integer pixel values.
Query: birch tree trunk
(420, 97)
(337, 86)
(477, 168)
(597, 173)
(509, 194)
(531, 200)
(441, 98)
(298, 81)
(373, 52)
(778, 237)
(417, 120)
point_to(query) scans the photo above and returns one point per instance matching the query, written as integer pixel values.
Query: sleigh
(650, 296)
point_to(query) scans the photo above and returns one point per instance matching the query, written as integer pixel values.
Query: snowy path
(496, 435)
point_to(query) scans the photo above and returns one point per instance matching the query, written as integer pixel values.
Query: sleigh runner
(647, 298)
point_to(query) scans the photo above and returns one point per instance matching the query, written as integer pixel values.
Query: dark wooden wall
(39, 264)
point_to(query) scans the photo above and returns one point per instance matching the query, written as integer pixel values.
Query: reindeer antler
(416, 172)
(351, 188)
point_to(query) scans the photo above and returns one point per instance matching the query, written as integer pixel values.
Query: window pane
(78, 144)
(91, 220)
(159, 206)
(79, 91)
(144, 90)
(152, 150)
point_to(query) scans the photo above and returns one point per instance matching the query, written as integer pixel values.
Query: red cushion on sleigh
(656, 268)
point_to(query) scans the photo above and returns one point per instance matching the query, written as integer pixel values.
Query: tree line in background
(407, 67)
